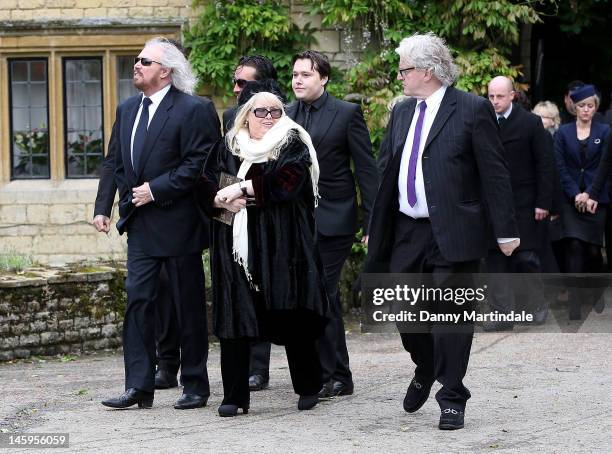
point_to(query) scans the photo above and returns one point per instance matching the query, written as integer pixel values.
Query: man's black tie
(141, 133)
(501, 120)
(307, 109)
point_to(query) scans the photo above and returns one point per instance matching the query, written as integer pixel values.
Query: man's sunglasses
(240, 82)
(262, 112)
(144, 61)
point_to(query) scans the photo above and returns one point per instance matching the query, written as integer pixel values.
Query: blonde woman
(549, 112)
(266, 278)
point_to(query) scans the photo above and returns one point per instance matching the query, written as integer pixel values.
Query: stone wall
(26, 10)
(60, 311)
(50, 222)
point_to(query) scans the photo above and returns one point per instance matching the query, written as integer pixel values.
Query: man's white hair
(183, 77)
(428, 51)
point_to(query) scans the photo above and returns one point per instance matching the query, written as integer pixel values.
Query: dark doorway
(566, 48)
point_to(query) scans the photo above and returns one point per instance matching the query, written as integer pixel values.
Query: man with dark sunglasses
(250, 67)
(167, 334)
(161, 140)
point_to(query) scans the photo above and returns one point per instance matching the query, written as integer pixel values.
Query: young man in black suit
(167, 336)
(442, 160)
(530, 157)
(163, 137)
(339, 135)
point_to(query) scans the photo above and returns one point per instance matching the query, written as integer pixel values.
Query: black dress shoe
(228, 410)
(308, 402)
(131, 397)
(189, 401)
(165, 379)
(451, 419)
(417, 394)
(327, 390)
(342, 389)
(258, 382)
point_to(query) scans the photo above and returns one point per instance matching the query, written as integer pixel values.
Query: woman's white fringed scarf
(257, 151)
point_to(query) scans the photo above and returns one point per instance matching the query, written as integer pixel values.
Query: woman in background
(579, 147)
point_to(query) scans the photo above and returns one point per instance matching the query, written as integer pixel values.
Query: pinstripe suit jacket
(465, 177)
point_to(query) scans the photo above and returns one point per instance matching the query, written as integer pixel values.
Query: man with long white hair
(442, 163)
(163, 137)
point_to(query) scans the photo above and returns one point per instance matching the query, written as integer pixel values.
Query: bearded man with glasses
(161, 139)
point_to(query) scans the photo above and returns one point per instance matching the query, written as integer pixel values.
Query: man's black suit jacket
(107, 186)
(339, 134)
(463, 169)
(179, 138)
(530, 157)
(228, 118)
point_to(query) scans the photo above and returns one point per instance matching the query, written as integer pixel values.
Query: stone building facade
(65, 65)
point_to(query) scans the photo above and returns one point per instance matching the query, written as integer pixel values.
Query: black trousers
(186, 284)
(502, 293)
(334, 356)
(438, 355)
(302, 357)
(334, 251)
(167, 335)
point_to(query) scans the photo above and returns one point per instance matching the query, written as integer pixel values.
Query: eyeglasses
(403, 72)
(240, 82)
(144, 61)
(262, 112)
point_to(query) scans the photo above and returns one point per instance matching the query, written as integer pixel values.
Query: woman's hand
(236, 190)
(234, 206)
(580, 202)
(230, 193)
(591, 206)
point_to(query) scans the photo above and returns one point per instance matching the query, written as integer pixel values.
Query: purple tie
(414, 155)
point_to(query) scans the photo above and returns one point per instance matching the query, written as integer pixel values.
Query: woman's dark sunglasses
(144, 61)
(262, 112)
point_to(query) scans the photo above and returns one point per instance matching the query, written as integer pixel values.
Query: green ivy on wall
(224, 31)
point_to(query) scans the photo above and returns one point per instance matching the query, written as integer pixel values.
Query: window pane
(38, 71)
(38, 118)
(40, 166)
(92, 94)
(93, 119)
(73, 70)
(38, 94)
(125, 73)
(84, 116)
(75, 120)
(29, 119)
(21, 119)
(19, 92)
(91, 70)
(73, 94)
(19, 71)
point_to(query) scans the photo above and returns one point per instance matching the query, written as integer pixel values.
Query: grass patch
(14, 261)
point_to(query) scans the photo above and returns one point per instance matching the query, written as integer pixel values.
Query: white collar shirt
(506, 114)
(419, 210)
(156, 99)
